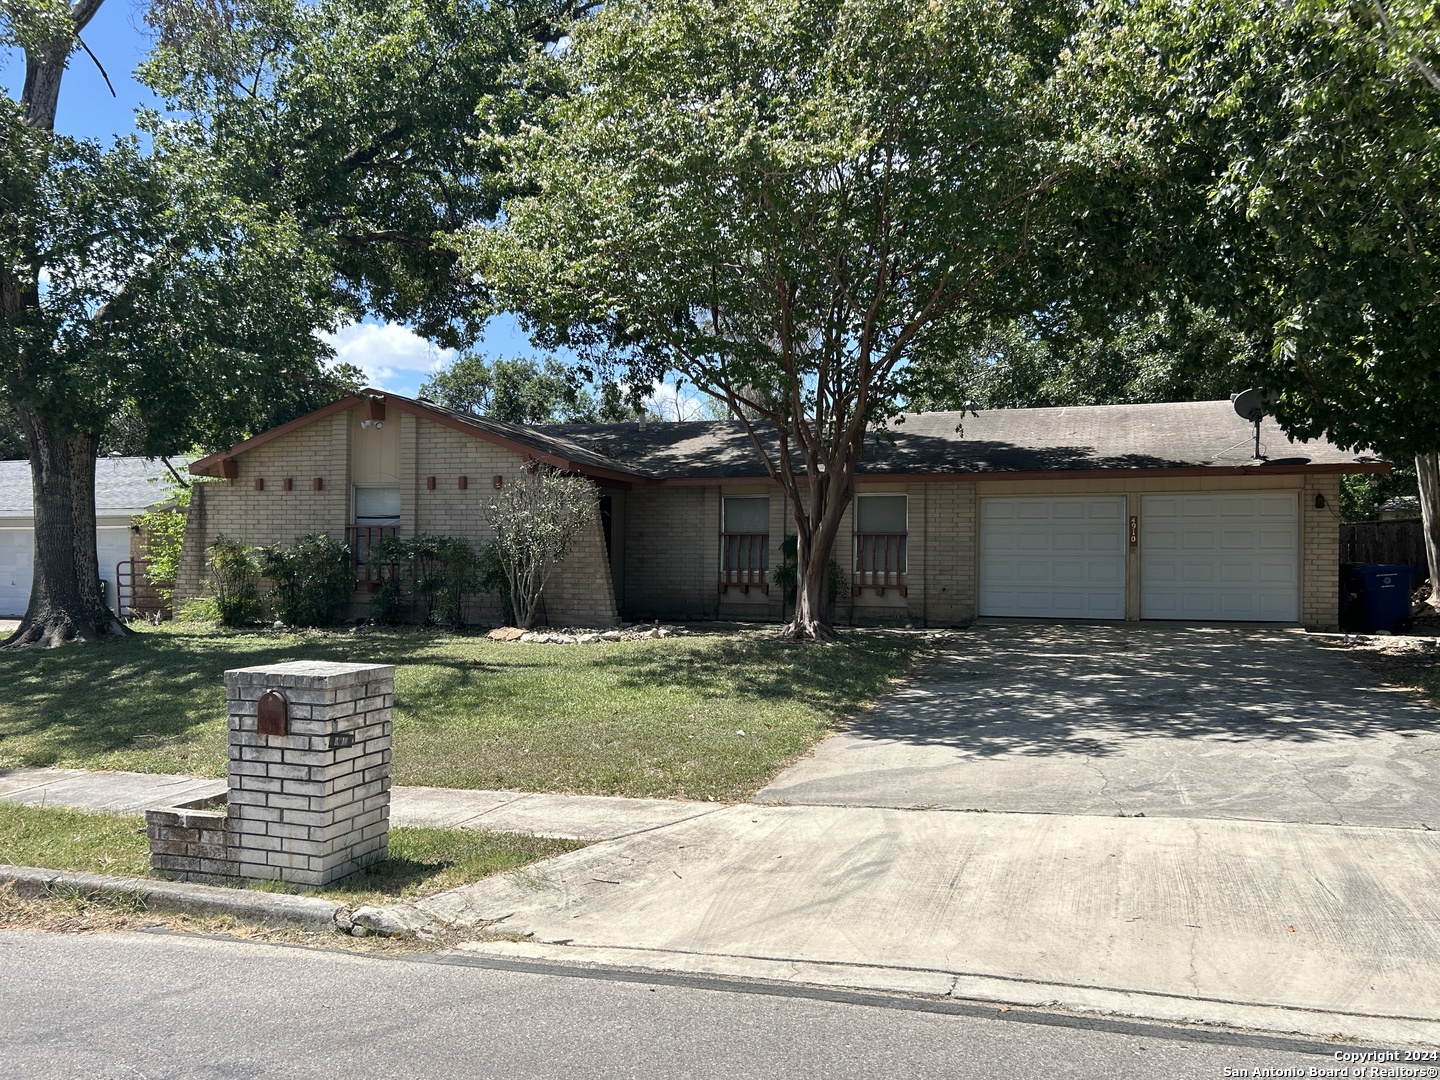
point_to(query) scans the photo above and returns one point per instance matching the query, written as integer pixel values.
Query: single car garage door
(1060, 557)
(16, 550)
(1228, 557)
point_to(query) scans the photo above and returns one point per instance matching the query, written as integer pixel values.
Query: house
(1400, 508)
(1118, 512)
(124, 487)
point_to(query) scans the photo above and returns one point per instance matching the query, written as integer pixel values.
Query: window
(377, 515)
(881, 525)
(377, 504)
(745, 541)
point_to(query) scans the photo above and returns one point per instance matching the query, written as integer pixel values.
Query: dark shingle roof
(121, 483)
(1177, 435)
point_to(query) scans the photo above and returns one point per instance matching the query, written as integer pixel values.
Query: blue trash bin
(1375, 597)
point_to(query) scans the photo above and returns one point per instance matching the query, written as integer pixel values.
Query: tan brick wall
(1320, 554)
(672, 553)
(579, 592)
(949, 543)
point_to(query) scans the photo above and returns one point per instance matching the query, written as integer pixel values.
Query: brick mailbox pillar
(309, 794)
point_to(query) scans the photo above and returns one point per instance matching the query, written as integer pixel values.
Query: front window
(882, 524)
(745, 540)
(377, 515)
(377, 504)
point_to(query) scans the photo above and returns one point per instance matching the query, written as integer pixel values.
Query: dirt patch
(1411, 662)
(72, 911)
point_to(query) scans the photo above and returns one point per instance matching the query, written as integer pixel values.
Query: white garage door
(16, 551)
(1226, 557)
(1059, 558)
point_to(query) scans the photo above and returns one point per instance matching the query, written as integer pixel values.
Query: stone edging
(307, 912)
(251, 905)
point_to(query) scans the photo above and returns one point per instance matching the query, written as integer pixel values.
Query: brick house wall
(579, 593)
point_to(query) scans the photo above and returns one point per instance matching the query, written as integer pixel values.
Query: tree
(361, 120)
(1056, 359)
(537, 519)
(312, 161)
(1279, 163)
(128, 285)
(785, 201)
(522, 391)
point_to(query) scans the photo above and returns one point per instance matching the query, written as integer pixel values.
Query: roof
(996, 442)
(122, 484)
(1200, 434)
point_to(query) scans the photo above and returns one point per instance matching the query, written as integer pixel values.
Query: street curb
(306, 912)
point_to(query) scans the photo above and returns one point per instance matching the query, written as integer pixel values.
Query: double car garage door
(1231, 557)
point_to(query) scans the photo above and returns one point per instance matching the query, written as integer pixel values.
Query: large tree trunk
(815, 535)
(66, 603)
(1427, 468)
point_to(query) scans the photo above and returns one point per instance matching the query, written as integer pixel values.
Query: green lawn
(709, 716)
(421, 862)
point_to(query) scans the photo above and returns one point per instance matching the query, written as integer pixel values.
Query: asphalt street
(157, 1005)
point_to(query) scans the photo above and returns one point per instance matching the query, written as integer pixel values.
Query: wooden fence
(1394, 542)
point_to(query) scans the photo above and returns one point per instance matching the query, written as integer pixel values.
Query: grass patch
(76, 840)
(421, 862)
(710, 716)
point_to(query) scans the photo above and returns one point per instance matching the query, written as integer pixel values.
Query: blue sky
(394, 358)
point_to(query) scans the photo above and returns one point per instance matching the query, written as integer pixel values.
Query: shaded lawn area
(421, 862)
(710, 716)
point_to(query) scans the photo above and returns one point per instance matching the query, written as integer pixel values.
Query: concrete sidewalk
(568, 817)
(1323, 930)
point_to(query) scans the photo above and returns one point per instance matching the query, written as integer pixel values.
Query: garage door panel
(16, 552)
(1053, 557)
(1243, 567)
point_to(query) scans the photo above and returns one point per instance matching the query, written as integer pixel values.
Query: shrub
(441, 570)
(491, 579)
(536, 520)
(164, 532)
(234, 581)
(311, 580)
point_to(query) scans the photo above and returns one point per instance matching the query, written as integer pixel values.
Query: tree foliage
(361, 120)
(784, 201)
(1279, 162)
(526, 391)
(1038, 361)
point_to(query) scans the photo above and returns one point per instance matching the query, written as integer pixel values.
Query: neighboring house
(1118, 512)
(124, 487)
(1400, 508)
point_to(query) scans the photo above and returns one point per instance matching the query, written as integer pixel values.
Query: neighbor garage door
(1225, 557)
(1053, 557)
(16, 549)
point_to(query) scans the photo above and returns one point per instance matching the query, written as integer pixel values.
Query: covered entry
(1060, 556)
(1229, 557)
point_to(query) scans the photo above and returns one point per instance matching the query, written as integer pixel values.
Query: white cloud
(392, 356)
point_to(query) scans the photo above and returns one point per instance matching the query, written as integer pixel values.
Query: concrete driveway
(1260, 724)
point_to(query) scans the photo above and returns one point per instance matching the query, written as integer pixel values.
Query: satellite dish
(1250, 404)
